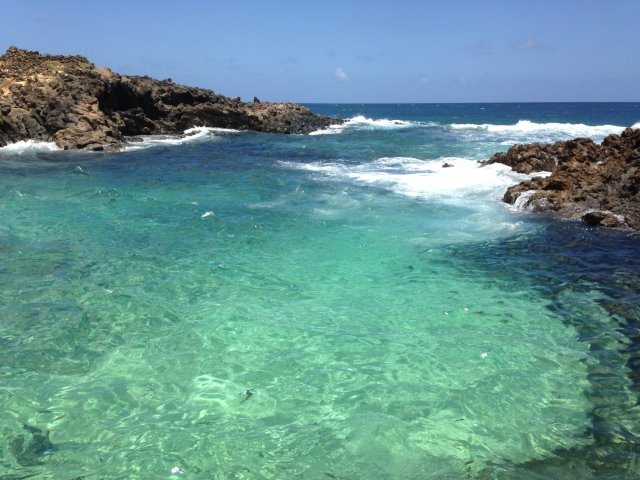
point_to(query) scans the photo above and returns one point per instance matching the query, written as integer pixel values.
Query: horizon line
(461, 103)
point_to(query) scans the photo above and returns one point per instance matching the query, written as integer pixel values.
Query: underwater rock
(30, 447)
(70, 101)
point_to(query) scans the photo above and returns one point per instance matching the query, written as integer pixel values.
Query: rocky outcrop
(68, 100)
(598, 183)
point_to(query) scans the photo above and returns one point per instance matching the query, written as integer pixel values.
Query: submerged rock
(70, 101)
(597, 183)
(30, 447)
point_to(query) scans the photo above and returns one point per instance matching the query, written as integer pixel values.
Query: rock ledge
(597, 183)
(70, 101)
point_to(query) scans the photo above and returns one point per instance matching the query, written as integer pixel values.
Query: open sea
(238, 305)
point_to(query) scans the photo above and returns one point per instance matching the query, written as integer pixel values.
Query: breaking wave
(474, 191)
(360, 121)
(193, 134)
(447, 178)
(528, 127)
(537, 131)
(28, 146)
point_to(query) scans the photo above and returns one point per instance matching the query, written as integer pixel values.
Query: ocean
(340, 305)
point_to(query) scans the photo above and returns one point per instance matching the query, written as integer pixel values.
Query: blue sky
(352, 51)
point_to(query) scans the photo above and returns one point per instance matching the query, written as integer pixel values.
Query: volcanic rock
(598, 183)
(70, 101)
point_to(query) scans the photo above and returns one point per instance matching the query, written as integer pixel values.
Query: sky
(351, 51)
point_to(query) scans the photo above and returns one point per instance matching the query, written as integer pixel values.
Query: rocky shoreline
(596, 183)
(70, 101)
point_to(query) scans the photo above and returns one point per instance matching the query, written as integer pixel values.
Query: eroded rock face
(66, 99)
(599, 184)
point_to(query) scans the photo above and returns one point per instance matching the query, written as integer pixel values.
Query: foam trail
(474, 191)
(29, 146)
(426, 179)
(429, 180)
(189, 135)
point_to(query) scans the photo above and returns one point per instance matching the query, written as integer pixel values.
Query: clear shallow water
(327, 306)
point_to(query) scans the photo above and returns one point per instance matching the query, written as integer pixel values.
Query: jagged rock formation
(598, 183)
(68, 100)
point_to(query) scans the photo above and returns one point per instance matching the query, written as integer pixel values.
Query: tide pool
(241, 305)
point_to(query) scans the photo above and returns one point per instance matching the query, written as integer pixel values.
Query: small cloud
(341, 75)
(526, 45)
(531, 45)
(424, 80)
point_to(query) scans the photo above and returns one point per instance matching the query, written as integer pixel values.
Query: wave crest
(550, 130)
(381, 122)
(526, 126)
(360, 121)
(29, 146)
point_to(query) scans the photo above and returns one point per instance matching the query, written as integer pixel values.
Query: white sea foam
(476, 190)
(523, 128)
(419, 179)
(28, 146)
(360, 121)
(382, 122)
(332, 129)
(528, 127)
(521, 203)
(193, 134)
(426, 179)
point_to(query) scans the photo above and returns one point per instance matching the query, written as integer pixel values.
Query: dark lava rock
(599, 184)
(68, 100)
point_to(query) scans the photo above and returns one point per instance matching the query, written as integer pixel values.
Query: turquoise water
(239, 305)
